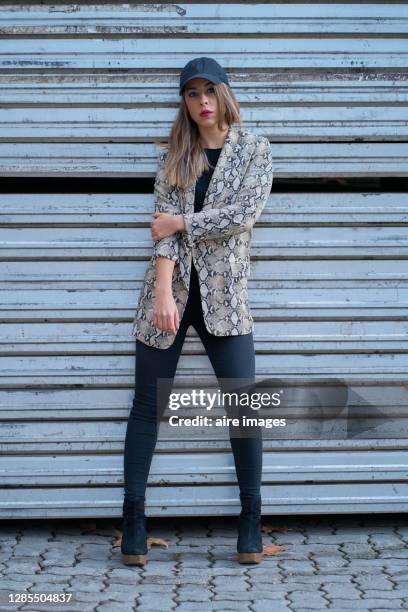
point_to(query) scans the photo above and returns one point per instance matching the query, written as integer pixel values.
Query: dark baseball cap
(204, 67)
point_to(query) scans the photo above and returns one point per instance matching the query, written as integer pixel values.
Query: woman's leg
(234, 357)
(152, 364)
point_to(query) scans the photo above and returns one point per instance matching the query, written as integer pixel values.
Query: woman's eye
(192, 93)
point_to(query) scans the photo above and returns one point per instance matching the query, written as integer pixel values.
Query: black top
(201, 187)
(203, 182)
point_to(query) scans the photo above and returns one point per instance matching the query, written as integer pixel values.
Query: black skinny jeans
(230, 356)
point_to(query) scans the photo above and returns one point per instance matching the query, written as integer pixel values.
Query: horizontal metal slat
(313, 52)
(205, 500)
(289, 209)
(205, 468)
(200, 19)
(118, 370)
(109, 123)
(291, 160)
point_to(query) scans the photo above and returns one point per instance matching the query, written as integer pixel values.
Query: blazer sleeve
(249, 203)
(163, 202)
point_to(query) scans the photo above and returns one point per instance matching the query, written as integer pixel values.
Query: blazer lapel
(226, 151)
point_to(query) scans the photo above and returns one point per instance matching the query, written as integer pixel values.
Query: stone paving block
(48, 587)
(321, 577)
(78, 584)
(264, 593)
(393, 554)
(305, 598)
(160, 579)
(386, 540)
(192, 573)
(150, 600)
(121, 595)
(160, 568)
(316, 548)
(189, 583)
(54, 549)
(196, 559)
(15, 586)
(336, 609)
(223, 606)
(226, 564)
(111, 606)
(62, 562)
(30, 607)
(370, 566)
(129, 571)
(28, 551)
(394, 594)
(195, 597)
(100, 565)
(265, 578)
(288, 587)
(49, 578)
(76, 570)
(194, 543)
(338, 538)
(331, 560)
(297, 567)
(167, 589)
(196, 606)
(123, 583)
(336, 589)
(227, 595)
(400, 584)
(263, 605)
(286, 539)
(396, 572)
(90, 597)
(374, 581)
(6, 550)
(239, 583)
(311, 609)
(367, 604)
(22, 566)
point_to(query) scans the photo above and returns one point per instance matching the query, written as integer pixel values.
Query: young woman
(212, 183)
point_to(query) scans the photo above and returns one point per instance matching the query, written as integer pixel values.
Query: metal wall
(87, 91)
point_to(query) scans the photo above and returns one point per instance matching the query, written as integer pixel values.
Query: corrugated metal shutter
(85, 91)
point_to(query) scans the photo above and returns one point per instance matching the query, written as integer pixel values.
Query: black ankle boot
(249, 543)
(134, 535)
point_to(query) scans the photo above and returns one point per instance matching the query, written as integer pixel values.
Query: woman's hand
(165, 313)
(164, 224)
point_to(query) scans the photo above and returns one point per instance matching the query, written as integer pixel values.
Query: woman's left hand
(164, 224)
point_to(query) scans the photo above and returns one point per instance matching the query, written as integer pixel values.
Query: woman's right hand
(165, 313)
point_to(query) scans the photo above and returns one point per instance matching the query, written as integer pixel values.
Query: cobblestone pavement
(338, 563)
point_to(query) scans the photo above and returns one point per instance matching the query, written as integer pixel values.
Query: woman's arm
(250, 201)
(169, 245)
(165, 254)
(165, 313)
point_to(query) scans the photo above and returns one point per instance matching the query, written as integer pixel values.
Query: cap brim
(201, 75)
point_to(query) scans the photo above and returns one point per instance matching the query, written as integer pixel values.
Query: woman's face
(199, 96)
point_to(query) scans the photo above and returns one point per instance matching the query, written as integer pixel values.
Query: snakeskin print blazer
(217, 239)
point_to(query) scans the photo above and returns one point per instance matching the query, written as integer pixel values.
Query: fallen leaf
(118, 540)
(270, 528)
(156, 541)
(273, 549)
(150, 541)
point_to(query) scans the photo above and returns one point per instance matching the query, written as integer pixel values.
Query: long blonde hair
(186, 159)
